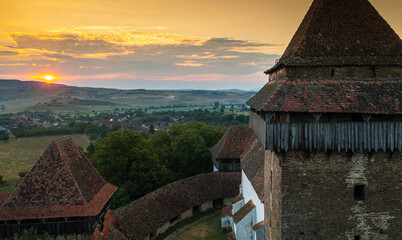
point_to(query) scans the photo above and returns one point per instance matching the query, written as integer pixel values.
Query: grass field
(237, 109)
(18, 155)
(210, 228)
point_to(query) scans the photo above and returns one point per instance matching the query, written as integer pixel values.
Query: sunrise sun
(49, 78)
(46, 77)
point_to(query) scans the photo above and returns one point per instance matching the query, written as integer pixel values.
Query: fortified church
(320, 159)
(328, 133)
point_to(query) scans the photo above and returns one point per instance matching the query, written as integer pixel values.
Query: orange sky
(153, 43)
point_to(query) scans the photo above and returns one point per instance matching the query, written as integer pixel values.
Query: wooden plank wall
(258, 125)
(352, 136)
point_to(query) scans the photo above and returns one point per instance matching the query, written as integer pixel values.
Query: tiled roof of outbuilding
(243, 211)
(62, 183)
(232, 143)
(231, 236)
(4, 197)
(227, 211)
(258, 225)
(144, 216)
(336, 96)
(252, 163)
(342, 32)
(237, 199)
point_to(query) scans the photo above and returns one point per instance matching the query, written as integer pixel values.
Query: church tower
(330, 118)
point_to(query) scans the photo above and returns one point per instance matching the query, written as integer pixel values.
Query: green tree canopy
(126, 159)
(138, 165)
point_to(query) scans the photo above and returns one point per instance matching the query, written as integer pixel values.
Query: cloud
(8, 53)
(190, 64)
(101, 53)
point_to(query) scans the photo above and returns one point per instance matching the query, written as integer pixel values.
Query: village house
(330, 124)
(62, 195)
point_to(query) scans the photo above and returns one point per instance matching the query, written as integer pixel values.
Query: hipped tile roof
(258, 225)
(342, 32)
(227, 211)
(252, 163)
(144, 216)
(237, 199)
(336, 96)
(243, 211)
(232, 143)
(62, 183)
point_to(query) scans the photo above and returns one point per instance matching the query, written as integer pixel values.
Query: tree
(191, 154)
(90, 150)
(4, 136)
(32, 234)
(22, 174)
(2, 183)
(127, 159)
(216, 105)
(151, 129)
(138, 165)
(185, 147)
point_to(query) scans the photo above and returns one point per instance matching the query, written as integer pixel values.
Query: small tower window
(357, 237)
(332, 72)
(196, 209)
(373, 71)
(359, 193)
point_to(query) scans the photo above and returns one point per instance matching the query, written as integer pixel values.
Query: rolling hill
(18, 95)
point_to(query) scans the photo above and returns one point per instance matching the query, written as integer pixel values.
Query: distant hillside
(18, 95)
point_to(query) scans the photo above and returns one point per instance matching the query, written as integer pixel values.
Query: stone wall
(318, 196)
(340, 72)
(272, 196)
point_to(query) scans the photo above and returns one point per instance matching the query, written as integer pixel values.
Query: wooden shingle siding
(335, 136)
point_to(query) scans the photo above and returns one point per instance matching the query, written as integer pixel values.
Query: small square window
(359, 193)
(357, 237)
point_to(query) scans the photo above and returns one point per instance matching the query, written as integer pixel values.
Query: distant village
(140, 120)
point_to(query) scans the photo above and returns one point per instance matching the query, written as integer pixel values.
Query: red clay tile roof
(342, 32)
(237, 199)
(231, 236)
(144, 216)
(227, 211)
(258, 225)
(62, 183)
(246, 209)
(4, 197)
(252, 163)
(232, 143)
(337, 96)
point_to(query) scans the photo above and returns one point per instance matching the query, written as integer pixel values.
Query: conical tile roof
(342, 32)
(62, 183)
